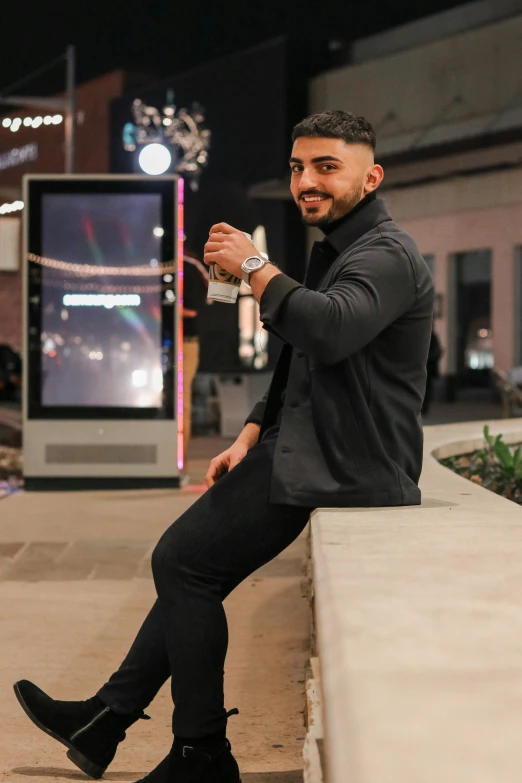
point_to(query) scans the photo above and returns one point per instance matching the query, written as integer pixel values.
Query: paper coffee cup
(222, 286)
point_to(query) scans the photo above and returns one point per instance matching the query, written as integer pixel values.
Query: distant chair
(510, 393)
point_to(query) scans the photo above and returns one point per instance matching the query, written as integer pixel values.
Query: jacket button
(300, 354)
(285, 450)
(294, 404)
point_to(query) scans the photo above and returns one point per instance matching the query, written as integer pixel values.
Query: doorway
(474, 355)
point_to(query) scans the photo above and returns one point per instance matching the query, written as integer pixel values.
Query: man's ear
(374, 177)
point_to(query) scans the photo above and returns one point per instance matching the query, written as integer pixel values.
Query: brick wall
(11, 309)
(93, 100)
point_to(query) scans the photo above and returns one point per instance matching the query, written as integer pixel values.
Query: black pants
(229, 532)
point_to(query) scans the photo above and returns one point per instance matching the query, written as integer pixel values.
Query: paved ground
(75, 584)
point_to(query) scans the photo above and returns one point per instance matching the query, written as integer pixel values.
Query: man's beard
(338, 208)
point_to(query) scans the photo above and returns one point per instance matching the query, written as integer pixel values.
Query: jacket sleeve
(257, 412)
(373, 288)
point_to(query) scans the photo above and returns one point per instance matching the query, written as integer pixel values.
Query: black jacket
(353, 365)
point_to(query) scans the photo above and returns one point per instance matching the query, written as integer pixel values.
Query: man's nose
(308, 180)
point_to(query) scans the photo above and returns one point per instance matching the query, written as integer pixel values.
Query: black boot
(90, 729)
(188, 764)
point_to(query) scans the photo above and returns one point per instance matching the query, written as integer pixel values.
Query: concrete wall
(463, 214)
(482, 65)
(419, 630)
(422, 31)
(416, 89)
(455, 216)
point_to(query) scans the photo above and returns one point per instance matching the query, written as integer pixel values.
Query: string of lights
(92, 270)
(14, 206)
(15, 123)
(108, 289)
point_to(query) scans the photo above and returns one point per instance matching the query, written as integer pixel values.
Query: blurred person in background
(195, 284)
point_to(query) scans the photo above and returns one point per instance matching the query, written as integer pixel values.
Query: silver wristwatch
(252, 264)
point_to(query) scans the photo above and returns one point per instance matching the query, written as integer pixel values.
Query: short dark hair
(338, 124)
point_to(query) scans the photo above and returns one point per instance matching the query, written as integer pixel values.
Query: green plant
(511, 463)
(496, 467)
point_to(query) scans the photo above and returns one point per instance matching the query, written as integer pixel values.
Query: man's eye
(296, 168)
(328, 167)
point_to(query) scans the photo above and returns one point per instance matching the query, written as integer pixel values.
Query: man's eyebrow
(320, 159)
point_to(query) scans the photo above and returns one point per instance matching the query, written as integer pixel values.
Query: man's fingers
(210, 478)
(211, 252)
(223, 228)
(213, 247)
(215, 471)
(211, 472)
(217, 241)
(211, 258)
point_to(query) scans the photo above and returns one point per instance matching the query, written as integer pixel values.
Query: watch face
(253, 263)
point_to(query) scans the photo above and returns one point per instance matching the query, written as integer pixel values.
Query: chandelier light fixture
(169, 138)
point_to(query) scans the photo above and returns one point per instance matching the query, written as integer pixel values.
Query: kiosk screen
(101, 300)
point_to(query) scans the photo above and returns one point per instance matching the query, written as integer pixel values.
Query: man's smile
(314, 198)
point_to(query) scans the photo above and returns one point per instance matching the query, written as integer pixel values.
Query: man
(339, 426)
(195, 285)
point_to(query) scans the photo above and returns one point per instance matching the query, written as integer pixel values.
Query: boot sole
(89, 767)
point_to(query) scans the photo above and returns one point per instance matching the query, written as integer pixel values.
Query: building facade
(445, 97)
(41, 150)
(251, 100)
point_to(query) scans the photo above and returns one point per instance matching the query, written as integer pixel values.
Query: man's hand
(228, 247)
(224, 462)
(228, 459)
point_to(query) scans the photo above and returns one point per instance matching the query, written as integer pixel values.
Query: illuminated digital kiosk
(103, 342)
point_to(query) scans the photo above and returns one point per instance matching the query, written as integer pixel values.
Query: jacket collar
(362, 219)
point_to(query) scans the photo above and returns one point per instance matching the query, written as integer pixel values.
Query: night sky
(162, 38)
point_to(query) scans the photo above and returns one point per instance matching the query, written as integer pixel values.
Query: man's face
(329, 177)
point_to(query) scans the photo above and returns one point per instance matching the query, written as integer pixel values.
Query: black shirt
(317, 272)
(356, 339)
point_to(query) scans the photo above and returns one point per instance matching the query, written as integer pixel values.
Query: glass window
(474, 334)
(517, 291)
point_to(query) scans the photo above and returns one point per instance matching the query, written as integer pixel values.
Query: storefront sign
(18, 155)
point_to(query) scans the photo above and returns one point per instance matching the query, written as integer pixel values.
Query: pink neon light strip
(180, 240)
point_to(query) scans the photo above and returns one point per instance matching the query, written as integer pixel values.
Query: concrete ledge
(418, 616)
(314, 740)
